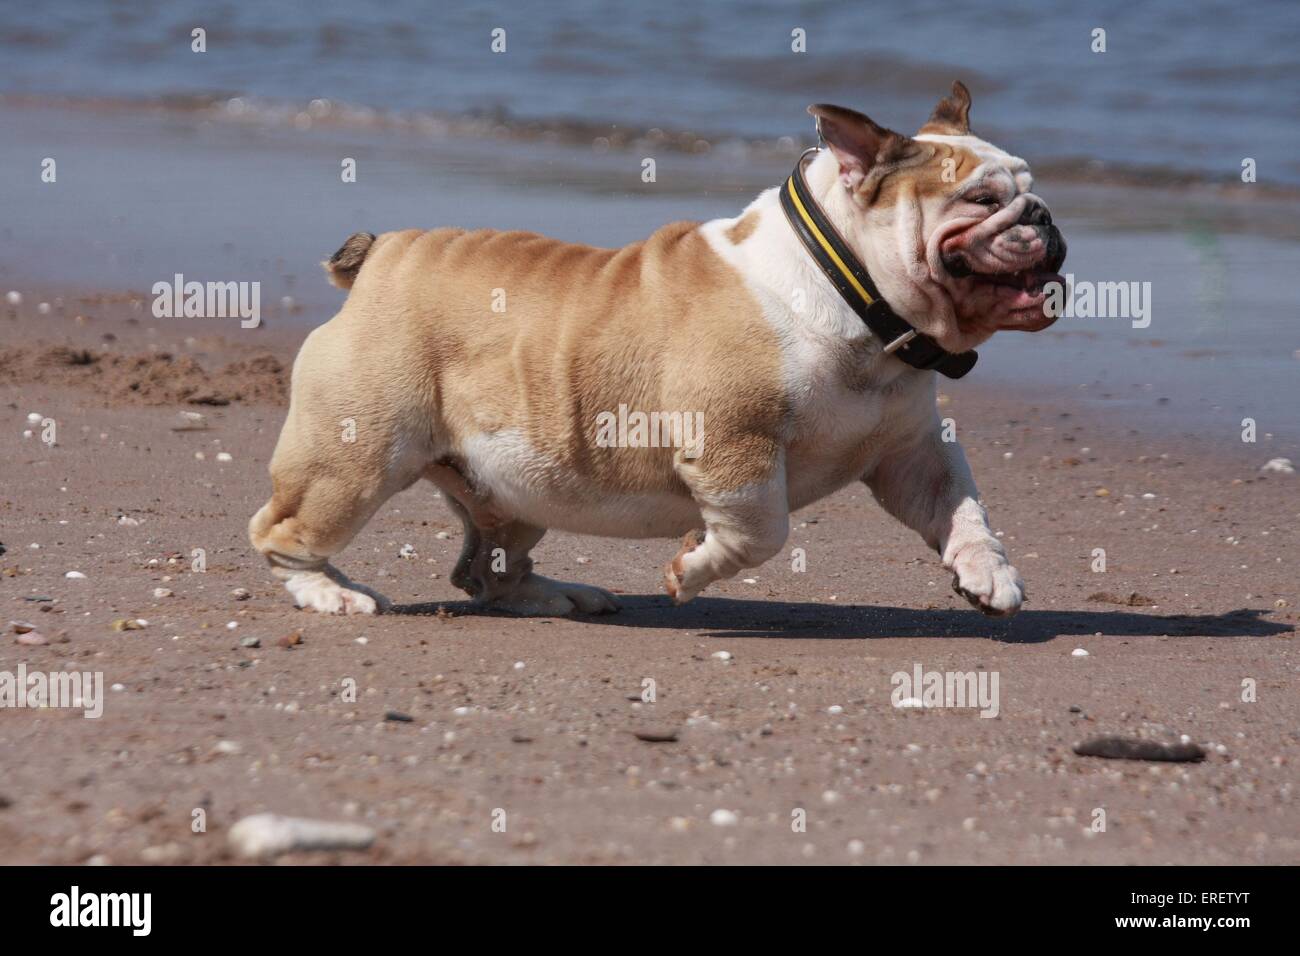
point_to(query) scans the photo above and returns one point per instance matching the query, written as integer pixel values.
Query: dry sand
(538, 718)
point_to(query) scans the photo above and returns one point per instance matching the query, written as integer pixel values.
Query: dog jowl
(807, 333)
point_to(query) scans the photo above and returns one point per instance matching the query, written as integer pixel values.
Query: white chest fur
(848, 403)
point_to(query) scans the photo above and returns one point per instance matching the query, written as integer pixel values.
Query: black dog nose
(1035, 214)
(1055, 257)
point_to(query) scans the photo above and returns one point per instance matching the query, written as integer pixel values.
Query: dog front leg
(746, 516)
(929, 487)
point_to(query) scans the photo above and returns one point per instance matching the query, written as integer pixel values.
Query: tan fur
(343, 266)
(743, 229)
(583, 330)
(951, 116)
(419, 360)
(943, 166)
(423, 374)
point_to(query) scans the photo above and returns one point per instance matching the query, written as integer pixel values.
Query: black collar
(851, 280)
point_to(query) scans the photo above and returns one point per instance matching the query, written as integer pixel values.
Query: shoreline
(1129, 411)
(492, 127)
(1216, 267)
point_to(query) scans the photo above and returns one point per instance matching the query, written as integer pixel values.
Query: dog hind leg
(494, 567)
(297, 534)
(324, 493)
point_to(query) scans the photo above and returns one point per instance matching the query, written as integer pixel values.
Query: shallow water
(1194, 87)
(146, 190)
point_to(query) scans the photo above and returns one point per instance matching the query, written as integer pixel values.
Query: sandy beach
(540, 718)
(1138, 462)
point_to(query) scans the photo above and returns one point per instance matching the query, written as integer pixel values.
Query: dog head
(946, 223)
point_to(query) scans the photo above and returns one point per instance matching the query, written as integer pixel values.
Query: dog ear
(858, 143)
(951, 117)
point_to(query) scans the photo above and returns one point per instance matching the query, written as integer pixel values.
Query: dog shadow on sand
(728, 617)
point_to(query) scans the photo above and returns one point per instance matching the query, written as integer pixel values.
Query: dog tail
(343, 266)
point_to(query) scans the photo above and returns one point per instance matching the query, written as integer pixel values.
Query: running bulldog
(804, 337)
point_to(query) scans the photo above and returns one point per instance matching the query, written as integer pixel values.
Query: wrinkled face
(991, 243)
(946, 222)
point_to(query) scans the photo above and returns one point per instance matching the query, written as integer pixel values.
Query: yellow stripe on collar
(821, 239)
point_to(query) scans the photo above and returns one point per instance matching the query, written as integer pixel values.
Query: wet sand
(539, 717)
(227, 199)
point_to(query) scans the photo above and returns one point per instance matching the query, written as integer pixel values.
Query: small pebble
(240, 594)
(724, 818)
(74, 575)
(166, 853)
(656, 735)
(1124, 748)
(250, 642)
(268, 834)
(1078, 652)
(721, 655)
(162, 592)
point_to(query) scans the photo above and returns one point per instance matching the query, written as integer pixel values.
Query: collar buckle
(899, 342)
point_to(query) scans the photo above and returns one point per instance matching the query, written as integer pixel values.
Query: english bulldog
(493, 364)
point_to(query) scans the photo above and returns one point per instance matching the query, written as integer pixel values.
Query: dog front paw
(675, 570)
(990, 584)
